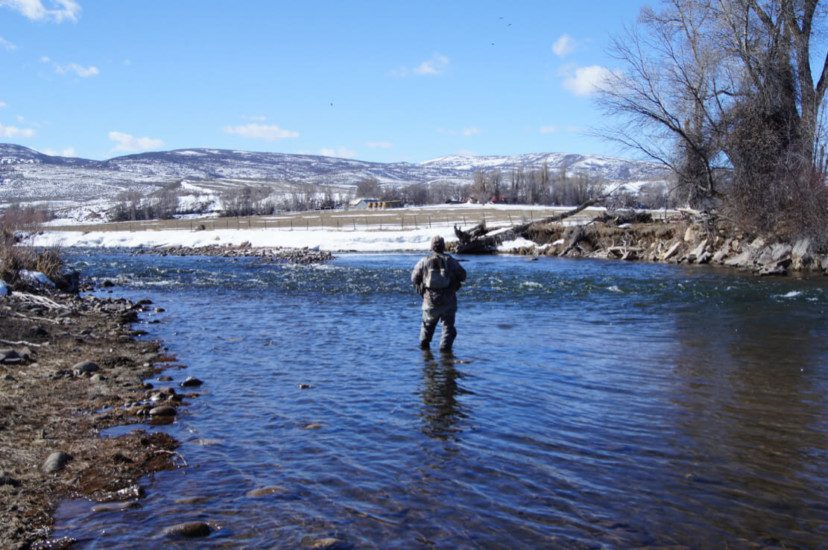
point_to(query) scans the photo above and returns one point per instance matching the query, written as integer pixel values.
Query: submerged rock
(164, 410)
(192, 529)
(327, 543)
(266, 491)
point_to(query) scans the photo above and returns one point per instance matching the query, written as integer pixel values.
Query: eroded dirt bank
(70, 367)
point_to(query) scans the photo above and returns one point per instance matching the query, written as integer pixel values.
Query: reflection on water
(588, 404)
(441, 410)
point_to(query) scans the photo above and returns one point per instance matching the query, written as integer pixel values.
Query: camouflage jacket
(445, 298)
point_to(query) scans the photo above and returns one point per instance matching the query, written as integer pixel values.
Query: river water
(588, 404)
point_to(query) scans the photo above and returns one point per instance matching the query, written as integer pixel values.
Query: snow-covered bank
(331, 240)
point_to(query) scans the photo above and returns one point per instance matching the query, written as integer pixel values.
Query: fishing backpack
(437, 277)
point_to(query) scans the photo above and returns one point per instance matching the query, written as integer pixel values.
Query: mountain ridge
(29, 176)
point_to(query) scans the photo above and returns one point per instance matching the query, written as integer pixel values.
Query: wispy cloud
(379, 145)
(53, 10)
(15, 132)
(548, 129)
(267, 132)
(584, 81)
(3, 104)
(129, 143)
(6, 45)
(68, 152)
(339, 152)
(71, 68)
(465, 132)
(563, 46)
(437, 64)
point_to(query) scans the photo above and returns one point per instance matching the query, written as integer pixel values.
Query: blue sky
(383, 81)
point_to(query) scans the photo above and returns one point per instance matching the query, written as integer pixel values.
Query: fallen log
(482, 240)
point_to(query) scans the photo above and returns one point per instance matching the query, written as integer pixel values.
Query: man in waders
(437, 278)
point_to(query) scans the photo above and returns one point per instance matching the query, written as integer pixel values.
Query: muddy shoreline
(70, 367)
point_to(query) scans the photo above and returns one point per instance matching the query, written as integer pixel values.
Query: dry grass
(15, 258)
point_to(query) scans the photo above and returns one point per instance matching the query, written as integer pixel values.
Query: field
(391, 219)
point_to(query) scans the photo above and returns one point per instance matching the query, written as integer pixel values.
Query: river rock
(801, 254)
(191, 382)
(266, 491)
(671, 251)
(313, 426)
(780, 251)
(745, 259)
(36, 278)
(6, 479)
(697, 252)
(115, 506)
(164, 410)
(164, 378)
(62, 543)
(85, 367)
(56, 462)
(304, 386)
(777, 270)
(327, 543)
(191, 529)
(11, 357)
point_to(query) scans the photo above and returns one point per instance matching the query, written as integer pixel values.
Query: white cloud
(83, 72)
(3, 104)
(379, 145)
(53, 10)
(127, 142)
(15, 132)
(548, 129)
(79, 70)
(564, 45)
(6, 45)
(465, 132)
(437, 64)
(339, 152)
(267, 132)
(68, 152)
(583, 81)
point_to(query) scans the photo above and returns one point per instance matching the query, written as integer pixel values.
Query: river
(587, 404)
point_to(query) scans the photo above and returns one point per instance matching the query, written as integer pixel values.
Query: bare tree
(722, 92)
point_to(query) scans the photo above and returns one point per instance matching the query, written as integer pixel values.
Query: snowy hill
(27, 176)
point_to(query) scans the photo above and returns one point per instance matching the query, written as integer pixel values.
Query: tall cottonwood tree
(724, 92)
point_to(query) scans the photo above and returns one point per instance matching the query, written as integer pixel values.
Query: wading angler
(437, 278)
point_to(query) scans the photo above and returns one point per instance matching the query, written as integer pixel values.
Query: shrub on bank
(17, 259)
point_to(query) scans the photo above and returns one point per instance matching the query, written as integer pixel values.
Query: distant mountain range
(27, 176)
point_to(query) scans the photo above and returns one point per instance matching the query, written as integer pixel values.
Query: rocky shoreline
(70, 367)
(302, 256)
(676, 242)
